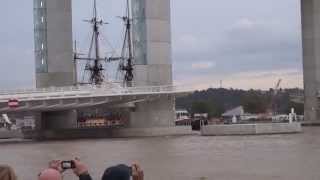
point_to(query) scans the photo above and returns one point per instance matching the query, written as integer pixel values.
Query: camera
(68, 165)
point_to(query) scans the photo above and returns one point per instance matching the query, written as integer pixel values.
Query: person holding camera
(119, 172)
(57, 167)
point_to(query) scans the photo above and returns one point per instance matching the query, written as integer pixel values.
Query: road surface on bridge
(62, 98)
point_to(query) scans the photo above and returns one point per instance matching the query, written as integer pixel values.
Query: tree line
(216, 101)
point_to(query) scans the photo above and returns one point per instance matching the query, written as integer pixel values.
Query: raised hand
(80, 167)
(56, 164)
(137, 172)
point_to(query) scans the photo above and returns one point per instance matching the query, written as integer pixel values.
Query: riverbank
(14, 134)
(251, 129)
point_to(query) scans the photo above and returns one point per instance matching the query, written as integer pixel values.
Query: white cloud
(186, 42)
(190, 43)
(203, 65)
(266, 79)
(244, 23)
(291, 78)
(188, 39)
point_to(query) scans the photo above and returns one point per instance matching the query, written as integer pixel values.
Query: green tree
(213, 109)
(200, 107)
(255, 103)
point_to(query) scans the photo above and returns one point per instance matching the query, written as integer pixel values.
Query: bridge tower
(54, 55)
(153, 64)
(310, 11)
(53, 43)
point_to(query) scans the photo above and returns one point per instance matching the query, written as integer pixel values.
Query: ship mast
(127, 55)
(94, 63)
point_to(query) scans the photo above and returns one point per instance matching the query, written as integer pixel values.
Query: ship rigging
(127, 55)
(95, 65)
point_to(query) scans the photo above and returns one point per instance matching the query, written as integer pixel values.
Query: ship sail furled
(95, 64)
(126, 60)
(94, 67)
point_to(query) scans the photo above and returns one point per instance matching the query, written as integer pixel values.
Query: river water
(285, 157)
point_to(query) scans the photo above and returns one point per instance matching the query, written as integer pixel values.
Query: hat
(119, 172)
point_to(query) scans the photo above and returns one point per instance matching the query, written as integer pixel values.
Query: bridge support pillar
(53, 56)
(58, 120)
(310, 11)
(153, 64)
(156, 113)
(55, 120)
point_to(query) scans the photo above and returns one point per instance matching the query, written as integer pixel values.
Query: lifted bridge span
(74, 97)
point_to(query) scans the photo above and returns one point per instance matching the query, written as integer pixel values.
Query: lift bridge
(74, 97)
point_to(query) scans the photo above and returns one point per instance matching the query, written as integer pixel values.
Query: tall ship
(91, 68)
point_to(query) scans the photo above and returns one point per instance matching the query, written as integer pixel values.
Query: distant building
(29, 122)
(20, 121)
(203, 116)
(237, 115)
(233, 115)
(5, 122)
(2, 123)
(183, 118)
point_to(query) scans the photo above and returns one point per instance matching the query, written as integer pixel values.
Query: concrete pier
(59, 119)
(108, 133)
(152, 42)
(251, 129)
(54, 55)
(4, 134)
(310, 11)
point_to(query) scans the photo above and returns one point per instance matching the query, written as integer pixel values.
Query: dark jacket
(85, 177)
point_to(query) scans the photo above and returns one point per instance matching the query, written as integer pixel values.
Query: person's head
(7, 173)
(50, 174)
(120, 172)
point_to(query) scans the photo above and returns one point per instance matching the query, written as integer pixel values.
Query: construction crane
(277, 87)
(274, 107)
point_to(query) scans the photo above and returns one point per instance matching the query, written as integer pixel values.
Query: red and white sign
(13, 103)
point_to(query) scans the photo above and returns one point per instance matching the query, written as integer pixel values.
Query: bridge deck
(82, 96)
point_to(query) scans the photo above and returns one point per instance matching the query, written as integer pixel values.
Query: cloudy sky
(245, 44)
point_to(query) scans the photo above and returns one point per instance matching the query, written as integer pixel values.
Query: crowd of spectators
(55, 171)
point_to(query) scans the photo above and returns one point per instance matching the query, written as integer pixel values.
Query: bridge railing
(104, 90)
(39, 90)
(58, 89)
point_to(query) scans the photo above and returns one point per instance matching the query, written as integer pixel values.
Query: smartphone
(68, 165)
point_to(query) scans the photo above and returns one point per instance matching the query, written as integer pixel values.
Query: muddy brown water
(280, 157)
